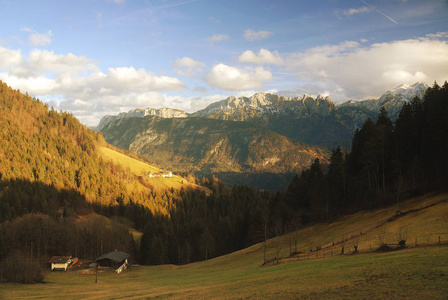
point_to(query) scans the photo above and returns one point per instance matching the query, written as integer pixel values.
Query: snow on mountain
(279, 112)
(405, 92)
(140, 113)
(392, 100)
(259, 104)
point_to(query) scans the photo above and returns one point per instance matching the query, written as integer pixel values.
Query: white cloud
(354, 11)
(187, 66)
(128, 79)
(373, 69)
(38, 39)
(233, 79)
(44, 60)
(251, 35)
(187, 62)
(77, 82)
(438, 35)
(35, 85)
(263, 57)
(218, 38)
(9, 57)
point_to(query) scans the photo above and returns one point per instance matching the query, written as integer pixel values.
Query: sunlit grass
(142, 169)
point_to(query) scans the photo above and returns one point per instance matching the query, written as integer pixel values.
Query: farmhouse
(62, 262)
(161, 174)
(116, 260)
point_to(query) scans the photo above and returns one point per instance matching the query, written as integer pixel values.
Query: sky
(101, 57)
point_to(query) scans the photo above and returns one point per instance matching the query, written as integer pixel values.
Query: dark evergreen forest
(52, 180)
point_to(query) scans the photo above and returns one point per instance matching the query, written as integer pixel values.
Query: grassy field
(142, 169)
(415, 273)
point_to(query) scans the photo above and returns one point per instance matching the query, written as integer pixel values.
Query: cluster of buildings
(116, 260)
(161, 174)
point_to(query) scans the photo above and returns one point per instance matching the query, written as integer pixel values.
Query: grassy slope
(142, 169)
(415, 273)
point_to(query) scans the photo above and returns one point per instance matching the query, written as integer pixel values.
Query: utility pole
(96, 273)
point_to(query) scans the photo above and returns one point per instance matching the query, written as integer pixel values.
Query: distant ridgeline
(309, 120)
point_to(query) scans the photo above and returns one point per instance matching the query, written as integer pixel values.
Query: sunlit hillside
(54, 151)
(143, 171)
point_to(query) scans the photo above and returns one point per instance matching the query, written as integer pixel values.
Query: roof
(60, 259)
(117, 256)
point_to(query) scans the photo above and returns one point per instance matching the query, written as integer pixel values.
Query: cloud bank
(371, 70)
(235, 79)
(78, 84)
(343, 71)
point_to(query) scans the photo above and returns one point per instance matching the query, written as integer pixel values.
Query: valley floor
(418, 272)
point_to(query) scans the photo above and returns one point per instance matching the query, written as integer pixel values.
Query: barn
(117, 260)
(62, 262)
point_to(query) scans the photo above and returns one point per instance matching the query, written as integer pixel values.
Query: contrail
(379, 11)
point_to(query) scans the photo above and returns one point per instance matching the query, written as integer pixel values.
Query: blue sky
(100, 57)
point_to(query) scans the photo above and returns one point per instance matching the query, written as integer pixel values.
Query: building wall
(59, 266)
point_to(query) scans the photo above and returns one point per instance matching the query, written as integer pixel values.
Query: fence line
(331, 251)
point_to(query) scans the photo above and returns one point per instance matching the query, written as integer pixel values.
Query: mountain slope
(315, 121)
(45, 154)
(200, 144)
(142, 169)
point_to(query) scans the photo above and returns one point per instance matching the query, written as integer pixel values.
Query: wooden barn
(116, 260)
(62, 262)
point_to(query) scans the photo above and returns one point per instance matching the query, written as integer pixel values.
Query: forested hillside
(41, 145)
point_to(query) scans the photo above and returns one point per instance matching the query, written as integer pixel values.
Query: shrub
(19, 268)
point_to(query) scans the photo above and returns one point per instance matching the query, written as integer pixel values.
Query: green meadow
(417, 272)
(420, 273)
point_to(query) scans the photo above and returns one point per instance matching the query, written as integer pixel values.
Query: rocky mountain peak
(260, 99)
(140, 113)
(405, 92)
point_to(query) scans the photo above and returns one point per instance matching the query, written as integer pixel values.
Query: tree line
(388, 162)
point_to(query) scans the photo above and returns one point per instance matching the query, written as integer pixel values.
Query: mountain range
(264, 133)
(314, 121)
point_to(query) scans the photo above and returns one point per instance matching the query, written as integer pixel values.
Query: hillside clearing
(142, 169)
(414, 273)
